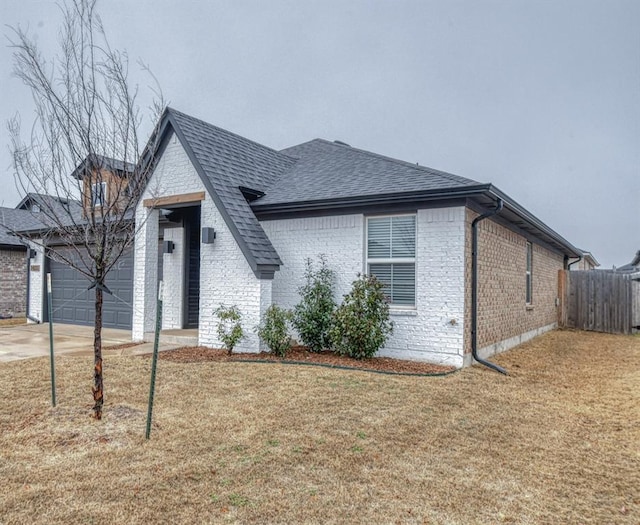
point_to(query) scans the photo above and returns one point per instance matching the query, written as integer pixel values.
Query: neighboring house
(105, 187)
(633, 267)
(586, 262)
(13, 264)
(240, 219)
(104, 180)
(15, 260)
(73, 298)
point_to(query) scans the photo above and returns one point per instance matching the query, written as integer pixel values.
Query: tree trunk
(98, 391)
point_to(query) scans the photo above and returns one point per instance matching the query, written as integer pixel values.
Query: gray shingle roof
(22, 219)
(15, 220)
(228, 161)
(312, 174)
(329, 170)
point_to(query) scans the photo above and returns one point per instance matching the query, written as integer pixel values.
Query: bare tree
(83, 150)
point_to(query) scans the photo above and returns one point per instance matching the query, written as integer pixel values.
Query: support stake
(154, 360)
(51, 360)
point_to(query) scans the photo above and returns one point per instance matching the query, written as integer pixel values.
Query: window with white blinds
(391, 256)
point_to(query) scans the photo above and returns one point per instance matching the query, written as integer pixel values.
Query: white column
(145, 273)
(36, 281)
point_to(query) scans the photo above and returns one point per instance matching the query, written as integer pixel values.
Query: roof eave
(368, 200)
(484, 194)
(560, 242)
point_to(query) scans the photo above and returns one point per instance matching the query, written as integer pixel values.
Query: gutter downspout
(474, 288)
(574, 262)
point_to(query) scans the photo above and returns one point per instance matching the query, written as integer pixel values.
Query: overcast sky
(541, 98)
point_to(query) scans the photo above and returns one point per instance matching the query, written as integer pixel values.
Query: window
(98, 194)
(529, 289)
(35, 208)
(391, 252)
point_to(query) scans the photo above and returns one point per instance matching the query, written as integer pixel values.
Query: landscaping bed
(300, 354)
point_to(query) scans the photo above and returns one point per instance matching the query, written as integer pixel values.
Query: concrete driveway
(32, 340)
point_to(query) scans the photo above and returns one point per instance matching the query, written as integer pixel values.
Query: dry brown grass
(14, 321)
(555, 442)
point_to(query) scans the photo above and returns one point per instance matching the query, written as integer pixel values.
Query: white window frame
(394, 260)
(528, 293)
(98, 200)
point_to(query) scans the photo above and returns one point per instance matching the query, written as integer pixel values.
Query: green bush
(229, 327)
(312, 315)
(274, 330)
(361, 323)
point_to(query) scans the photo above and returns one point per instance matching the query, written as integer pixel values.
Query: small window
(35, 208)
(391, 252)
(98, 194)
(529, 274)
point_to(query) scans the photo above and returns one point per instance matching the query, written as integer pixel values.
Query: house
(20, 264)
(465, 266)
(103, 183)
(13, 261)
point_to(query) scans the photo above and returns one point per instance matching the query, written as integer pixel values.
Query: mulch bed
(301, 355)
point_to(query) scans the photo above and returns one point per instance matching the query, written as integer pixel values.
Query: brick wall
(504, 319)
(433, 330)
(13, 282)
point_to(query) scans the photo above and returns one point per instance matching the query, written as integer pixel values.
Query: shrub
(312, 315)
(274, 330)
(361, 323)
(229, 327)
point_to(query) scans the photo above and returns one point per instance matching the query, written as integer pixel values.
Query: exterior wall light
(208, 235)
(168, 246)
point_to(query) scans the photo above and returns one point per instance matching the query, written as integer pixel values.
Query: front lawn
(557, 441)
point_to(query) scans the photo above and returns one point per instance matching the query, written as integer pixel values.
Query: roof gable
(228, 165)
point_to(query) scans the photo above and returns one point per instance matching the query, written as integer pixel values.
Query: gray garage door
(73, 303)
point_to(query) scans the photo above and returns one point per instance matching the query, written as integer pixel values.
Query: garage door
(73, 303)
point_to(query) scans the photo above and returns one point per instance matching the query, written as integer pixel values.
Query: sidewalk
(32, 340)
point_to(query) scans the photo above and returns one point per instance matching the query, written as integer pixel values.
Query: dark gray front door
(192, 222)
(73, 303)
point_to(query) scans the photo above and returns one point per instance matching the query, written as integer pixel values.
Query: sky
(539, 97)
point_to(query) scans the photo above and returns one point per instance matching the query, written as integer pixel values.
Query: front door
(192, 265)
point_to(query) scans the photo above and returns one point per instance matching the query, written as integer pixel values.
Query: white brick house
(271, 210)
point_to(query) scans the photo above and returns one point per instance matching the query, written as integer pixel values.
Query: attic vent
(342, 143)
(250, 194)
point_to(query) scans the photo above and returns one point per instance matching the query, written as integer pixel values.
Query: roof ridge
(181, 113)
(426, 169)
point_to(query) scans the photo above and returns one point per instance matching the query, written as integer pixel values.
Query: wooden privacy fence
(599, 301)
